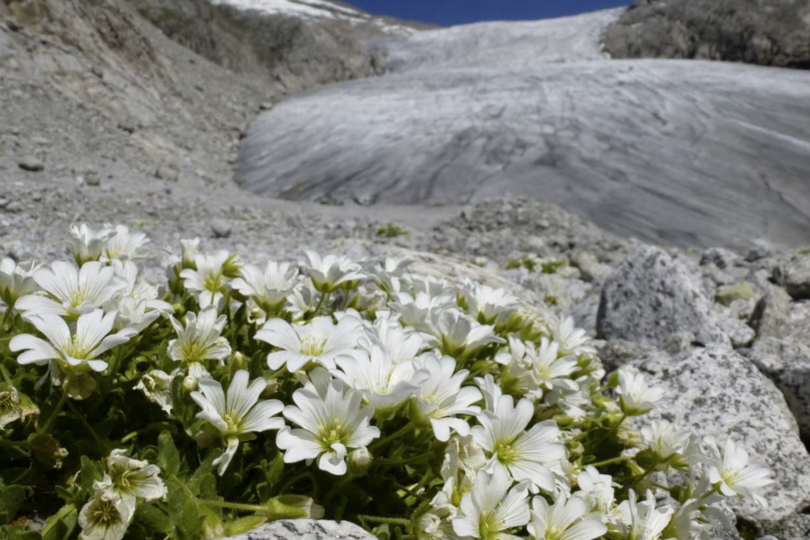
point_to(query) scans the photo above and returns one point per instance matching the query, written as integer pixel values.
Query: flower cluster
(232, 394)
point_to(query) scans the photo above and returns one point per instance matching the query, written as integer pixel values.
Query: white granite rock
(717, 392)
(306, 529)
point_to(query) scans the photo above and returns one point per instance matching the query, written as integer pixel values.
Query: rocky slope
(690, 153)
(765, 32)
(103, 118)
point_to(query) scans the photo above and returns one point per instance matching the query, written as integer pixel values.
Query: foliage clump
(233, 394)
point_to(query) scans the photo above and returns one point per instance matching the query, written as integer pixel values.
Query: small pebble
(31, 164)
(221, 228)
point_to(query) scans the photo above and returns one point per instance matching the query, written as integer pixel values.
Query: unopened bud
(238, 360)
(190, 384)
(271, 387)
(360, 461)
(47, 450)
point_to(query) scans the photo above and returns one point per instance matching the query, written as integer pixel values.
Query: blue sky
(448, 12)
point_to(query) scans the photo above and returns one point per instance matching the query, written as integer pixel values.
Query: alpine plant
(234, 393)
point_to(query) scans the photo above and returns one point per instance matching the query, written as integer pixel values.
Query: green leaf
(168, 456)
(243, 525)
(191, 521)
(208, 487)
(11, 498)
(205, 468)
(153, 518)
(90, 473)
(275, 470)
(61, 525)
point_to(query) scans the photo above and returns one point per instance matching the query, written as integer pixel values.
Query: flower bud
(80, 386)
(238, 361)
(47, 450)
(271, 387)
(189, 384)
(360, 461)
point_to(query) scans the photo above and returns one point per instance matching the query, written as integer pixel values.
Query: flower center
(730, 476)
(213, 281)
(8, 403)
(488, 526)
(106, 513)
(123, 478)
(507, 452)
(193, 351)
(333, 433)
(77, 298)
(313, 346)
(77, 349)
(233, 421)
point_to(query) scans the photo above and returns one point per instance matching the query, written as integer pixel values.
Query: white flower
(550, 370)
(86, 244)
(330, 272)
(488, 305)
(72, 292)
(387, 275)
(157, 387)
(526, 455)
(643, 520)
(189, 248)
(429, 298)
(664, 438)
(635, 396)
(432, 526)
(131, 479)
(82, 348)
(459, 336)
(492, 392)
(597, 490)
(492, 508)
(572, 340)
(16, 280)
(381, 382)
(319, 341)
(269, 289)
(563, 520)
(200, 339)
(734, 474)
(442, 399)
(125, 245)
(208, 278)
(331, 426)
(403, 345)
(236, 413)
(462, 461)
(105, 517)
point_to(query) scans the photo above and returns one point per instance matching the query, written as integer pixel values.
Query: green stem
(85, 423)
(320, 303)
(611, 461)
(7, 315)
(10, 444)
(385, 520)
(396, 435)
(292, 481)
(405, 461)
(6, 375)
(59, 406)
(235, 506)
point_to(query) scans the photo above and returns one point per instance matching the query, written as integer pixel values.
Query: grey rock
(720, 257)
(796, 276)
(31, 164)
(167, 172)
(616, 353)
(305, 529)
(679, 343)
(766, 32)
(787, 363)
(793, 527)
(717, 392)
(771, 313)
(221, 228)
(651, 296)
(738, 291)
(92, 178)
(740, 334)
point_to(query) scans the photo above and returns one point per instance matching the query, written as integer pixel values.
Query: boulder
(651, 296)
(795, 276)
(305, 529)
(787, 363)
(771, 313)
(765, 32)
(718, 392)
